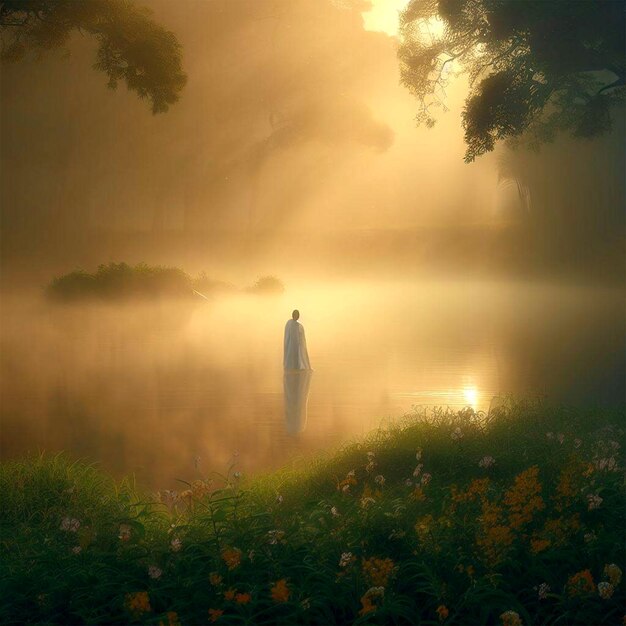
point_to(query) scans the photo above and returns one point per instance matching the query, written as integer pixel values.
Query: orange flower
(511, 618)
(243, 598)
(215, 614)
(367, 605)
(418, 494)
(230, 594)
(172, 619)
(138, 603)
(280, 592)
(580, 583)
(215, 579)
(524, 499)
(378, 571)
(539, 545)
(442, 612)
(232, 557)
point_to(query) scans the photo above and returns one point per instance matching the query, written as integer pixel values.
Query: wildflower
(593, 501)
(306, 604)
(279, 591)
(408, 482)
(543, 591)
(237, 475)
(243, 598)
(609, 464)
(486, 462)
(370, 456)
(511, 618)
(76, 550)
(550, 435)
(125, 532)
(589, 537)
(229, 594)
(251, 555)
(176, 544)
(172, 619)
(457, 434)
(539, 545)
(379, 480)
(232, 557)
(577, 443)
(418, 494)
(215, 579)
(346, 559)
(397, 534)
(345, 488)
(186, 494)
(168, 497)
(426, 478)
(417, 471)
(367, 605)
(275, 536)
(279, 499)
(154, 572)
(613, 573)
(605, 590)
(369, 468)
(560, 438)
(335, 512)
(351, 474)
(378, 571)
(365, 502)
(138, 603)
(418, 454)
(443, 612)
(524, 498)
(215, 614)
(70, 524)
(580, 583)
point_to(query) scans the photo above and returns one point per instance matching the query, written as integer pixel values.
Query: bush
(267, 285)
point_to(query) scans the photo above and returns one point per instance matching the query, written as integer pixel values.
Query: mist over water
(148, 387)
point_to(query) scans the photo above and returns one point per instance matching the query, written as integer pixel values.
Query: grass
(515, 518)
(120, 281)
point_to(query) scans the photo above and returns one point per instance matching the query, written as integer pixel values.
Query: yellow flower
(580, 583)
(243, 598)
(378, 571)
(511, 618)
(524, 498)
(280, 592)
(138, 603)
(613, 573)
(215, 614)
(230, 594)
(215, 579)
(232, 557)
(442, 612)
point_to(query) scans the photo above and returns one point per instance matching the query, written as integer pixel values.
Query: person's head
(295, 315)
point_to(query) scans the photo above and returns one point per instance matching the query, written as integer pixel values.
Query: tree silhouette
(536, 67)
(132, 47)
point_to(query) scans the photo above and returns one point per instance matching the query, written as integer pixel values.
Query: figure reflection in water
(297, 377)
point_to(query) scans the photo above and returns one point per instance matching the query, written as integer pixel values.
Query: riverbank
(454, 519)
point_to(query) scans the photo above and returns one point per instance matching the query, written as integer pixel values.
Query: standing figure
(295, 356)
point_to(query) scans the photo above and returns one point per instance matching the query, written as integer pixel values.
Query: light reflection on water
(148, 388)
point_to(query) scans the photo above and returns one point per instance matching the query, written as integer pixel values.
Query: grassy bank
(120, 281)
(454, 519)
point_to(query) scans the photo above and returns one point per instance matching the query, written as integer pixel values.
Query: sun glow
(383, 16)
(471, 396)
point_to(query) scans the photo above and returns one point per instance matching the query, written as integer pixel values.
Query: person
(295, 355)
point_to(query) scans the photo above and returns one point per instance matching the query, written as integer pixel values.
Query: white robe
(295, 355)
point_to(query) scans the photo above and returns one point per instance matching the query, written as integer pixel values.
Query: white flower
(426, 478)
(577, 443)
(154, 572)
(544, 589)
(593, 501)
(379, 480)
(346, 559)
(550, 435)
(486, 462)
(70, 524)
(365, 502)
(251, 555)
(560, 437)
(589, 537)
(605, 590)
(237, 475)
(418, 454)
(609, 464)
(306, 604)
(76, 549)
(408, 482)
(335, 512)
(350, 474)
(457, 434)
(275, 536)
(397, 534)
(417, 470)
(375, 592)
(176, 544)
(369, 468)
(279, 499)
(370, 456)
(345, 488)
(125, 532)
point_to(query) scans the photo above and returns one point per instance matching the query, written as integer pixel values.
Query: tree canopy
(131, 46)
(535, 67)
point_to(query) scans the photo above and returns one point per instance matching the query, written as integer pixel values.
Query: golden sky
(383, 16)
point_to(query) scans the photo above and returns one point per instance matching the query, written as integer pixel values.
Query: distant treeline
(120, 281)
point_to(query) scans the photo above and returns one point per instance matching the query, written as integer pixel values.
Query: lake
(173, 390)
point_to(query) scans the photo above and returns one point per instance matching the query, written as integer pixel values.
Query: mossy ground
(453, 518)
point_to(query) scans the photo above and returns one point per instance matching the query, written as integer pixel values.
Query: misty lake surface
(171, 390)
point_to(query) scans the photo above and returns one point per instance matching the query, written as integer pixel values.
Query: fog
(293, 152)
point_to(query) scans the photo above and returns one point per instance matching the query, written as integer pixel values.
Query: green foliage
(534, 67)
(463, 546)
(131, 46)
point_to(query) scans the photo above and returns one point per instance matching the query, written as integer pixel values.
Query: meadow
(440, 518)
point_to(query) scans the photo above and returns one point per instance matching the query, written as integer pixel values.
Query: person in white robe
(295, 355)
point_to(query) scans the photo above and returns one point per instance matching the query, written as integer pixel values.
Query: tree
(131, 46)
(535, 67)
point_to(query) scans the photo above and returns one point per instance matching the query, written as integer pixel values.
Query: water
(170, 390)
